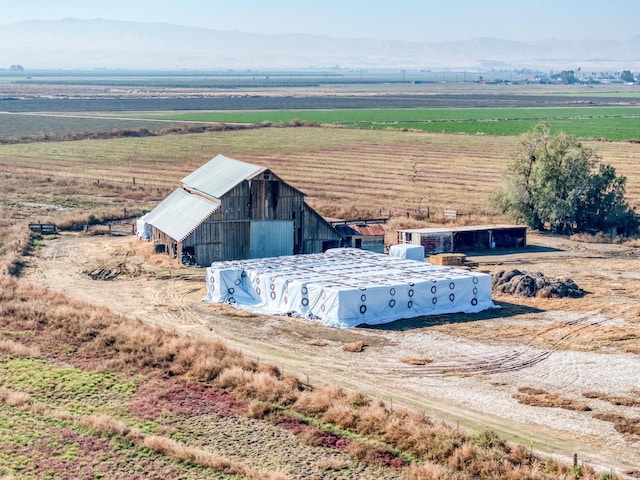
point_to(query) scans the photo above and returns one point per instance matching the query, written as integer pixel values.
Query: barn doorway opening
(189, 255)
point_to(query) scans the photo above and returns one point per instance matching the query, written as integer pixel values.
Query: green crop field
(613, 123)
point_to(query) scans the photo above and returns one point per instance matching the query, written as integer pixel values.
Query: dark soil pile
(526, 284)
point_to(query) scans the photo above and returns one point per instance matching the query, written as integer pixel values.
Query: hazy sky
(413, 20)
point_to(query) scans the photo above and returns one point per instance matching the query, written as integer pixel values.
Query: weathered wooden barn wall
(236, 202)
(317, 233)
(216, 240)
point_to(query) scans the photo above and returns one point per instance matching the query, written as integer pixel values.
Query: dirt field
(477, 363)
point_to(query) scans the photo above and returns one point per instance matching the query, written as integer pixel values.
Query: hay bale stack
(450, 259)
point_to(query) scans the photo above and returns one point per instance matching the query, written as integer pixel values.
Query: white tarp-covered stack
(407, 251)
(143, 229)
(346, 287)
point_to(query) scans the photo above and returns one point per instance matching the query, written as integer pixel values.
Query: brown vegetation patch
(613, 399)
(540, 398)
(622, 424)
(355, 347)
(156, 398)
(523, 284)
(417, 360)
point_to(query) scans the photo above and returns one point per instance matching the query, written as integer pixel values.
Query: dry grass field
(339, 169)
(557, 376)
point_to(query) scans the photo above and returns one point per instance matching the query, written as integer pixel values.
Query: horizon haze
(405, 20)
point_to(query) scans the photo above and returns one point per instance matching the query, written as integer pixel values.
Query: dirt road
(566, 347)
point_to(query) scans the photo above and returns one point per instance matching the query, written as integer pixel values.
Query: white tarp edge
(407, 251)
(347, 287)
(143, 229)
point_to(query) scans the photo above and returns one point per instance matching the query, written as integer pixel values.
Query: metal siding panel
(271, 238)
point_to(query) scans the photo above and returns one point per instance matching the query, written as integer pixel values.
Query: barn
(233, 210)
(465, 239)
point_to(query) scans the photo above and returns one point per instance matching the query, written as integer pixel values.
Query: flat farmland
(338, 169)
(512, 369)
(602, 111)
(612, 123)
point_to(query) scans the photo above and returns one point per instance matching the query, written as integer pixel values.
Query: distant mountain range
(87, 44)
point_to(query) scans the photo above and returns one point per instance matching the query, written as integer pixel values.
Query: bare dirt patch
(565, 346)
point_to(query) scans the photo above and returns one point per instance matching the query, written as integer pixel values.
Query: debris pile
(119, 266)
(526, 284)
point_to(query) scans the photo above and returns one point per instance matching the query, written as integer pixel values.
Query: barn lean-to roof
(350, 230)
(181, 213)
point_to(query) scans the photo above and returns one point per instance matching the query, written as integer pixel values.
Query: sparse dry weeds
(613, 399)
(416, 360)
(540, 398)
(354, 347)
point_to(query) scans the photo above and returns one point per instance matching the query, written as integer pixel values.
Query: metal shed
(362, 234)
(465, 239)
(233, 210)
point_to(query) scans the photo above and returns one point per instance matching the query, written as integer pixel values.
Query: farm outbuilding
(362, 234)
(232, 210)
(465, 239)
(347, 287)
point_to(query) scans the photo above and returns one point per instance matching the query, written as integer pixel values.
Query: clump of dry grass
(15, 241)
(632, 243)
(416, 360)
(260, 385)
(146, 251)
(318, 342)
(12, 398)
(106, 424)
(18, 349)
(621, 423)
(354, 347)
(599, 237)
(613, 399)
(341, 415)
(94, 219)
(259, 409)
(314, 402)
(540, 398)
(429, 471)
(332, 464)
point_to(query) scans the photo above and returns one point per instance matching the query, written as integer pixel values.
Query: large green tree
(556, 183)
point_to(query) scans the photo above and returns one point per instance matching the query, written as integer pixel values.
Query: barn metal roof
(181, 213)
(350, 230)
(219, 175)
